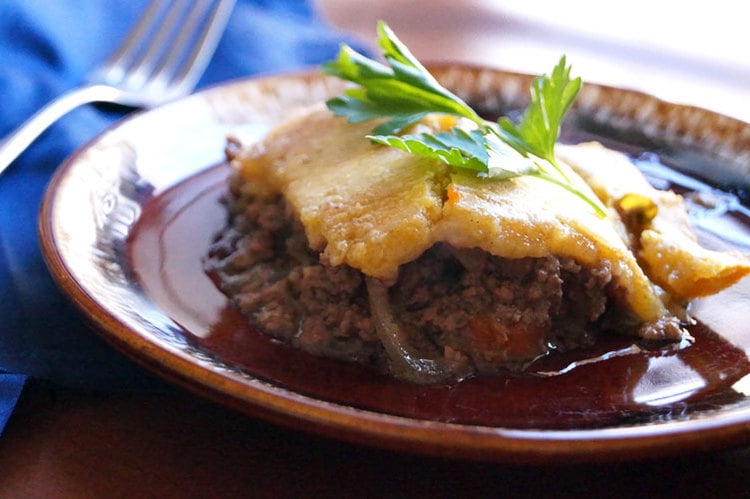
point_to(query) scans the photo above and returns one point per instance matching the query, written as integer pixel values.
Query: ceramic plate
(128, 218)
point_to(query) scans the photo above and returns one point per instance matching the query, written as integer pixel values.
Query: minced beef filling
(471, 310)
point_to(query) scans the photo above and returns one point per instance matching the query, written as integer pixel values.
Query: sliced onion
(405, 361)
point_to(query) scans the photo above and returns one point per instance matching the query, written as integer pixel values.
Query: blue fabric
(45, 49)
(10, 389)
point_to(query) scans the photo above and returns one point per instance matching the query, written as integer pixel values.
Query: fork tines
(170, 45)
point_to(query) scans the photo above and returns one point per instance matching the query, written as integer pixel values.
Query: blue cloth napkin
(45, 49)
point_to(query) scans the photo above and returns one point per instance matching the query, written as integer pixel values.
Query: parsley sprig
(404, 92)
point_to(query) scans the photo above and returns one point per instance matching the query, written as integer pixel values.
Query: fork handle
(17, 142)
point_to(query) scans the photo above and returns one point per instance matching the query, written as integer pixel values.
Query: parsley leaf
(537, 132)
(403, 92)
(461, 148)
(471, 150)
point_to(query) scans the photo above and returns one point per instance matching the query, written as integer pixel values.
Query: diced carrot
(498, 342)
(453, 194)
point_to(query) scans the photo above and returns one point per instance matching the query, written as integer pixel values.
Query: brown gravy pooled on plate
(619, 381)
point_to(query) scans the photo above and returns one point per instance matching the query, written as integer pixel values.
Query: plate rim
(282, 406)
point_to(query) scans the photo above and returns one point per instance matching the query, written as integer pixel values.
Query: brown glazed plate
(127, 220)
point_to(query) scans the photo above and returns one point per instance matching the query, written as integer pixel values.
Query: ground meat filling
(462, 310)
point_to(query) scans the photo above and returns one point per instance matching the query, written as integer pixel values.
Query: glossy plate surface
(127, 219)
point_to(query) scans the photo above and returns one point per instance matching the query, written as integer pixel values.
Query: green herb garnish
(403, 92)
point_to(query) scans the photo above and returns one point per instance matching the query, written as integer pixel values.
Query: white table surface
(695, 53)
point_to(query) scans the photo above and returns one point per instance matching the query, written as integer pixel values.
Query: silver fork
(161, 59)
